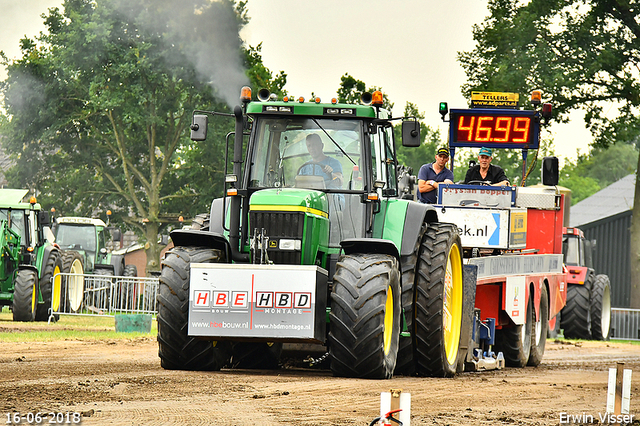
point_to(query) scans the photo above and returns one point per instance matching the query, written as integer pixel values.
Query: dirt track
(121, 382)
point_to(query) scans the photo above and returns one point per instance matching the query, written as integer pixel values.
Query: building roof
(615, 198)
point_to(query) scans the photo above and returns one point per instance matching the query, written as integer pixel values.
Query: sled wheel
(438, 302)
(177, 350)
(601, 308)
(365, 316)
(51, 289)
(25, 295)
(405, 363)
(576, 320)
(515, 341)
(539, 332)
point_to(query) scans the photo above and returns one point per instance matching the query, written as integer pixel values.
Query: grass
(68, 327)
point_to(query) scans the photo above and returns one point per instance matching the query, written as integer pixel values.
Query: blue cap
(485, 151)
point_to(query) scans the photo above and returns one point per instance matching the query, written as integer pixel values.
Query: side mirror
(411, 133)
(44, 219)
(550, 172)
(116, 235)
(199, 127)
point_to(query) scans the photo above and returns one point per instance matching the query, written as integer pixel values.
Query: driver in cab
(485, 172)
(320, 164)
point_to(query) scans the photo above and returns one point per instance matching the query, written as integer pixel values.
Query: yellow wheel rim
(34, 297)
(452, 304)
(388, 321)
(57, 289)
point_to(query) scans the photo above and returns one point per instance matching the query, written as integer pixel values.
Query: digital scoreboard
(494, 128)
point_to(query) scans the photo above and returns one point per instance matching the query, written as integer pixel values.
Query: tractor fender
(45, 255)
(417, 214)
(117, 261)
(369, 245)
(217, 215)
(198, 238)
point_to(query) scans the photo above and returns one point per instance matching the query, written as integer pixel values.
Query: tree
(100, 107)
(582, 54)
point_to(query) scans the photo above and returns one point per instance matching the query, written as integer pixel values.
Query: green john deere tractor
(84, 241)
(315, 243)
(29, 260)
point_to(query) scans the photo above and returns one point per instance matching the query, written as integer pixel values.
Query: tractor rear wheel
(438, 302)
(365, 316)
(576, 320)
(177, 350)
(515, 342)
(25, 295)
(601, 308)
(51, 289)
(540, 329)
(405, 363)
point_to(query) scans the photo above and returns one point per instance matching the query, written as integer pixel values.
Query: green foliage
(590, 173)
(351, 89)
(99, 107)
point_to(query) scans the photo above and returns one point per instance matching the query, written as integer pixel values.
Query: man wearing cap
(431, 174)
(485, 171)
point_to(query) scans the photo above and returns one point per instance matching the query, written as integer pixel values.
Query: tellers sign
(495, 128)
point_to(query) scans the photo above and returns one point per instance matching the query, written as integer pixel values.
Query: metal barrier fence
(625, 324)
(106, 295)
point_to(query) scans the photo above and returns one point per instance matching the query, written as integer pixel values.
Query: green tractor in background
(85, 244)
(30, 260)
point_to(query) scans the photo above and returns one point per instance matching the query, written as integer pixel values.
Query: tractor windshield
(295, 151)
(322, 154)
(17, 219)
(76, 237)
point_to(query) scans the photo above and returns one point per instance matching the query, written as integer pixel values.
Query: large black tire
(601, 308)
(576, 320)
(515, 341)
(260, 355)
(405, 363)
(72, 286)
(438, 302)
(539, 331)
(51, 290)
(177, 350)
(200, 222)
(365, 316)
(130, 271)
(25, 295)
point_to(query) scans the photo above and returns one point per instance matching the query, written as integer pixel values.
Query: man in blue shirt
(431, 174)
(320, 164)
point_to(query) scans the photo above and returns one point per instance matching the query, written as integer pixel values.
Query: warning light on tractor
(245, 94)
(376, 98)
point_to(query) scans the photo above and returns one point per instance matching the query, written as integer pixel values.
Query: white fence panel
(625, 324)
(106, 295)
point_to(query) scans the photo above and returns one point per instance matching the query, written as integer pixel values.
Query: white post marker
(619, 390)
(393, 400)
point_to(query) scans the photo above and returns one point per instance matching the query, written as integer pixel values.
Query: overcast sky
(407, 47)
